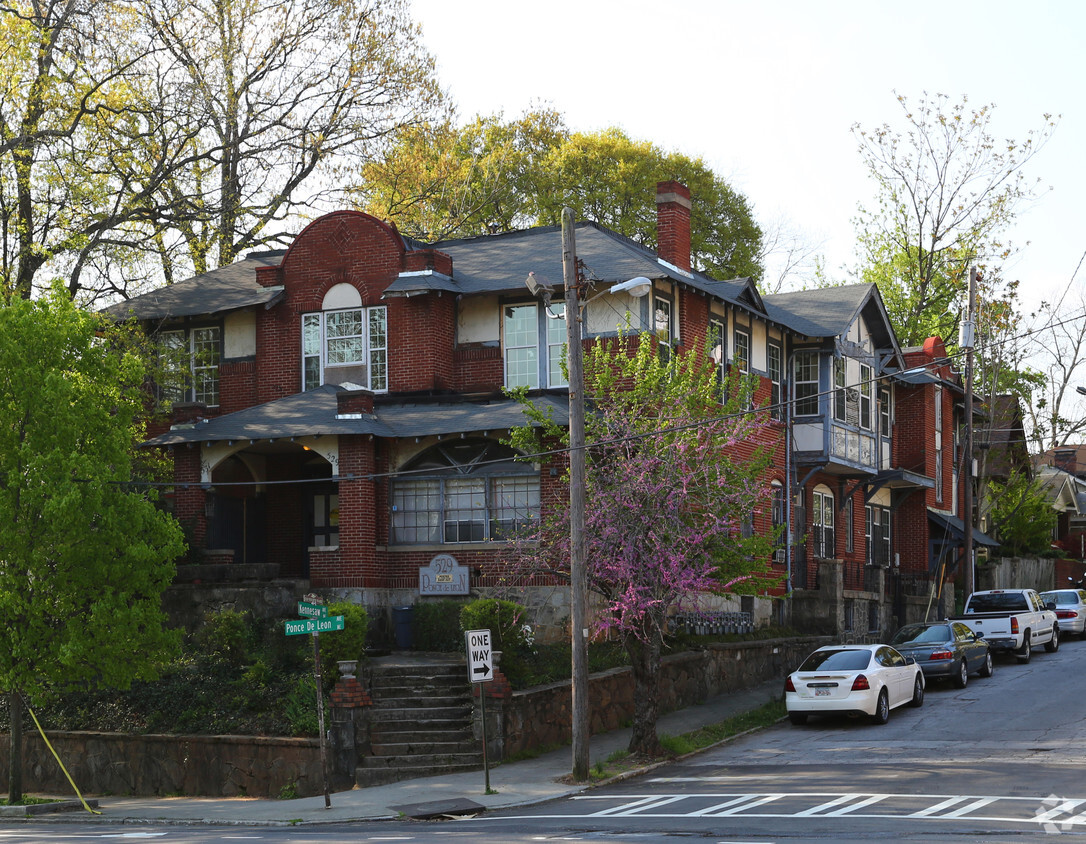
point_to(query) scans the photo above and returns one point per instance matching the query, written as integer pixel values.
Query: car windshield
(1059, 598)
(920, 634)
(837, 660)
(997, 602)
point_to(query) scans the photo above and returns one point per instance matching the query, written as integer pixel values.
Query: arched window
(345, 343)
(822, 523)
(464, 491)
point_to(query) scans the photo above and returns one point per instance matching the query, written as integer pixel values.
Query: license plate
(822, 692)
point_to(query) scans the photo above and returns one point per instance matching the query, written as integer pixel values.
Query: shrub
(348, 643)
(437, 625)
(505, 620)
(227, 636)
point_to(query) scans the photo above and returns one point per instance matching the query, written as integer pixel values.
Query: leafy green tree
(438, 182)
(948, 191)
(1022, 516)
(86, 556)
(669, 502)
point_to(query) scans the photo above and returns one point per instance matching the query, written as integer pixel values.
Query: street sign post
(315, 620)
(314, 625)
(480, 670)
(480, 656)
(307, 610)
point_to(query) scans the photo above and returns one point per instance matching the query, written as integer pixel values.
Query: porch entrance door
(322, 521)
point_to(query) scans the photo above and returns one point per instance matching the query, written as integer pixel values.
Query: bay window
(467, 491)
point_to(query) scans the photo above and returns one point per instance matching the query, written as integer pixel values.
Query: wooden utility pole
(966, 341)
(577, 575)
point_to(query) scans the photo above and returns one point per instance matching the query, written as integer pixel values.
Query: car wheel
(1024, 655)
(1053, 644)
(918, 692)
(798, 718)
(988, 667)
(962, 678)
(882, 708)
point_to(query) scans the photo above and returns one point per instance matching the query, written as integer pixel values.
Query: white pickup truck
(1013, 620)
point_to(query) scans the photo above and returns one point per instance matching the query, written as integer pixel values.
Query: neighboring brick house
(340, 417)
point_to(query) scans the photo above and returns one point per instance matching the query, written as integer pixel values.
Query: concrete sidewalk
(514, 783)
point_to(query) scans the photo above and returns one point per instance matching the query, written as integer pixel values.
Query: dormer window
(345, 343)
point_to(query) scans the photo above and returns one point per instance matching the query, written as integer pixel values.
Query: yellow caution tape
(55, 756)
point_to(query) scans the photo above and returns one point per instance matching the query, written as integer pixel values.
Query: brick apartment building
(339, 420)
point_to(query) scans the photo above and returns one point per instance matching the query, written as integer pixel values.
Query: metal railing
(710, 623)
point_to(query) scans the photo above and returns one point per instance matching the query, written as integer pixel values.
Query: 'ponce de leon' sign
(444, 576)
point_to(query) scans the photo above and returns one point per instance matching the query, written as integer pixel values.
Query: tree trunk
(15, 752)
(645, 666)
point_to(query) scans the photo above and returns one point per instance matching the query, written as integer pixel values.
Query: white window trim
(367, 344)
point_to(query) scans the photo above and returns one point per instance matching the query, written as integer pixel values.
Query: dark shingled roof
(225, 289)
(315, 413)
(487, 264)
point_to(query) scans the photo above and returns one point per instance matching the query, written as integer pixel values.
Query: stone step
(418, 749)
(421, 725)
(430, 713)
(366, 777)
(437, 672)
(419, 682)
(423, 760)
(422, 703)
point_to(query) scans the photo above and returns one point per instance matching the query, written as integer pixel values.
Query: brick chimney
(1066, 459)
(673, 223)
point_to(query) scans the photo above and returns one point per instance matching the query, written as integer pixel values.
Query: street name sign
(480, 656)
(306, 610)
(314, 625)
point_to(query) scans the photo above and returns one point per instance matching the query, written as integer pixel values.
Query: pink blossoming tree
(674, 479)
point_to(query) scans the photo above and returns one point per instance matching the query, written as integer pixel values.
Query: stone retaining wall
(219, 766)
(540, 717)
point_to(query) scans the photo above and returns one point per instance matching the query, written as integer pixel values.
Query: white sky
(766, 92)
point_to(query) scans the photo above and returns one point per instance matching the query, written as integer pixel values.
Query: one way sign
(480, 656)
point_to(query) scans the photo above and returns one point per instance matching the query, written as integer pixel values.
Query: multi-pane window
(346, 346)
(849, 542)
(938, 443)
(662, 325)
(867, 398)
(877, 534)
(716, 352)
(521, 336)
(775, 370)
(884, 411)
(778, 516)
(528, 361)
(822, 536)
(840, 398)
(191, 361)
(742, 351)
(805, 369)
(470, 491)
(556, 348)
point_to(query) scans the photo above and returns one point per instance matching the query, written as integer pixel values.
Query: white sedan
(853, 680)
(1070, 609)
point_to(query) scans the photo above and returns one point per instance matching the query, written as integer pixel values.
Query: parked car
(1070, 609)
(854, 680)
(1012, 621)
(944, 650)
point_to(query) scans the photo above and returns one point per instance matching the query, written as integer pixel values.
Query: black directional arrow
(482, 669)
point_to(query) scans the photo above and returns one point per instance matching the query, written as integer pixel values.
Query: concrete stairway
(420, 722)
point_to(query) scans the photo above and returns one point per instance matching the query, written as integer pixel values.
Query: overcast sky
(766, 92)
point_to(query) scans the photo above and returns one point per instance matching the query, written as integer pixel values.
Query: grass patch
(27, 801)
(765, 715)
